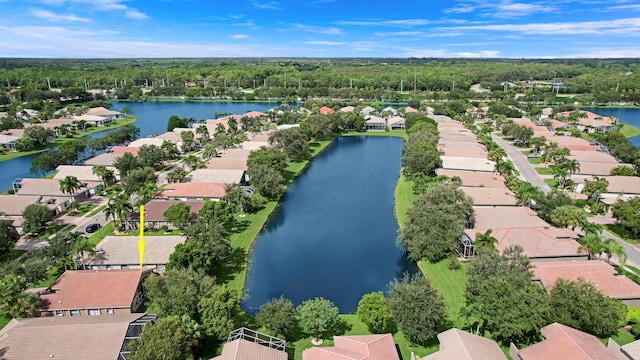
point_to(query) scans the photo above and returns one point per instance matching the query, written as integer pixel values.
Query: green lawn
(404, 198)
(544, 171)
(629, 131)
(82, 209)
(97, 210)
(619, 231)
(534, 161)
(553, 183)
(4, 319)
(104, 231)
(451, 285)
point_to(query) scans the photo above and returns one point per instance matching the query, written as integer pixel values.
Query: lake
(334, 233)
(152, 118)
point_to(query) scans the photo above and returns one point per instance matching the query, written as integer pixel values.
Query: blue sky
(319, 28)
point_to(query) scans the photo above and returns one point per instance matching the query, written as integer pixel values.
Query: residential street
(527, 171)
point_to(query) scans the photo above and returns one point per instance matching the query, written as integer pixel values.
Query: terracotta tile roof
(409, 109)
(101, 111)
(236, 153)
(475, 178)
(476, 152)
(563, 342)
(123, 250)
(597, 168)
(557, 123)
(536, 242)
(261, 137)
(87, 289)
(507, 217)
(241, 349)
(452, 144)
(623, 184)
(254, 145)
(147, 141)
(456, 344)
(78, 337)
(467, 163)
(326, 110)
(154, 209)
(599, 273)
(207, 190)
(223, 176)
(14, 205)
(119, 150)
(459, 137)
(576, 147)
(567, 140)
(348, 109)
(253, 114)
(81, 172)
(106, 159)
(490, 196)
(358, 347)
(227, 163)
(47, 187)
(592, 156)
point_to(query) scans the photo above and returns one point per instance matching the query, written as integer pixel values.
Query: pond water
(152, 118)
(334, 233)
(629, 116)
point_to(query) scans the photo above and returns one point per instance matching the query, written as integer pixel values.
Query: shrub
(454, 263)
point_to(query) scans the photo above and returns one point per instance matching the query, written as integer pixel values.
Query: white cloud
(374, 22)
(239, 36)
(443, 53)
(50, 16)
(272, 5)
(501, 8)
(318, 30)
(327, 43)
(635, 7)
(101, 5)
(629, 27)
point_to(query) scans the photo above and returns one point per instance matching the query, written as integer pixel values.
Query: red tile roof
(359, 347)
(599, 273)
(119, 150)
(536, 242)
(566, 343)
(193, 190)
(87, 289)
(253, 114)
(409, 109)
(326, 110)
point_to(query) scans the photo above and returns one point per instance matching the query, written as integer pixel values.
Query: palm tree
(592, 244)
(69, 185)
(572, 166)
(118, 207)
(80, 247)
(203, 132)
(209, 151)
(504, 168)
(560, 173)
(596, 187)
(496, 154)
(612, 247)
(191, 161)
(103, 173)
(486, 240)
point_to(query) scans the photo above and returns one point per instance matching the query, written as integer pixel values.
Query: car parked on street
(91, 228)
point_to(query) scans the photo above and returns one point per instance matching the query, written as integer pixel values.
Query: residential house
(375, 123)
(456, 344)
(391, 111)
(12, 206)
(507, 218)
(195, 190)
(631, 350)
(94, 292)
(147, 141)
(8, 141)
(599, 273)
(467, 164)
(538, 243)
(348, 109)
(396, 122)
(622, 186)
(227, 163)
(562, 342)
(82, 172)
(121, 252)
(154, 212)
(247, 344)
(50, 189)
(409, 109)
(598, 168)
(490, 197)
(356, 347)
(85, 337)
(325, 110)
(110, 115)
(367, 110)
(93, 119)
(475, 178)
